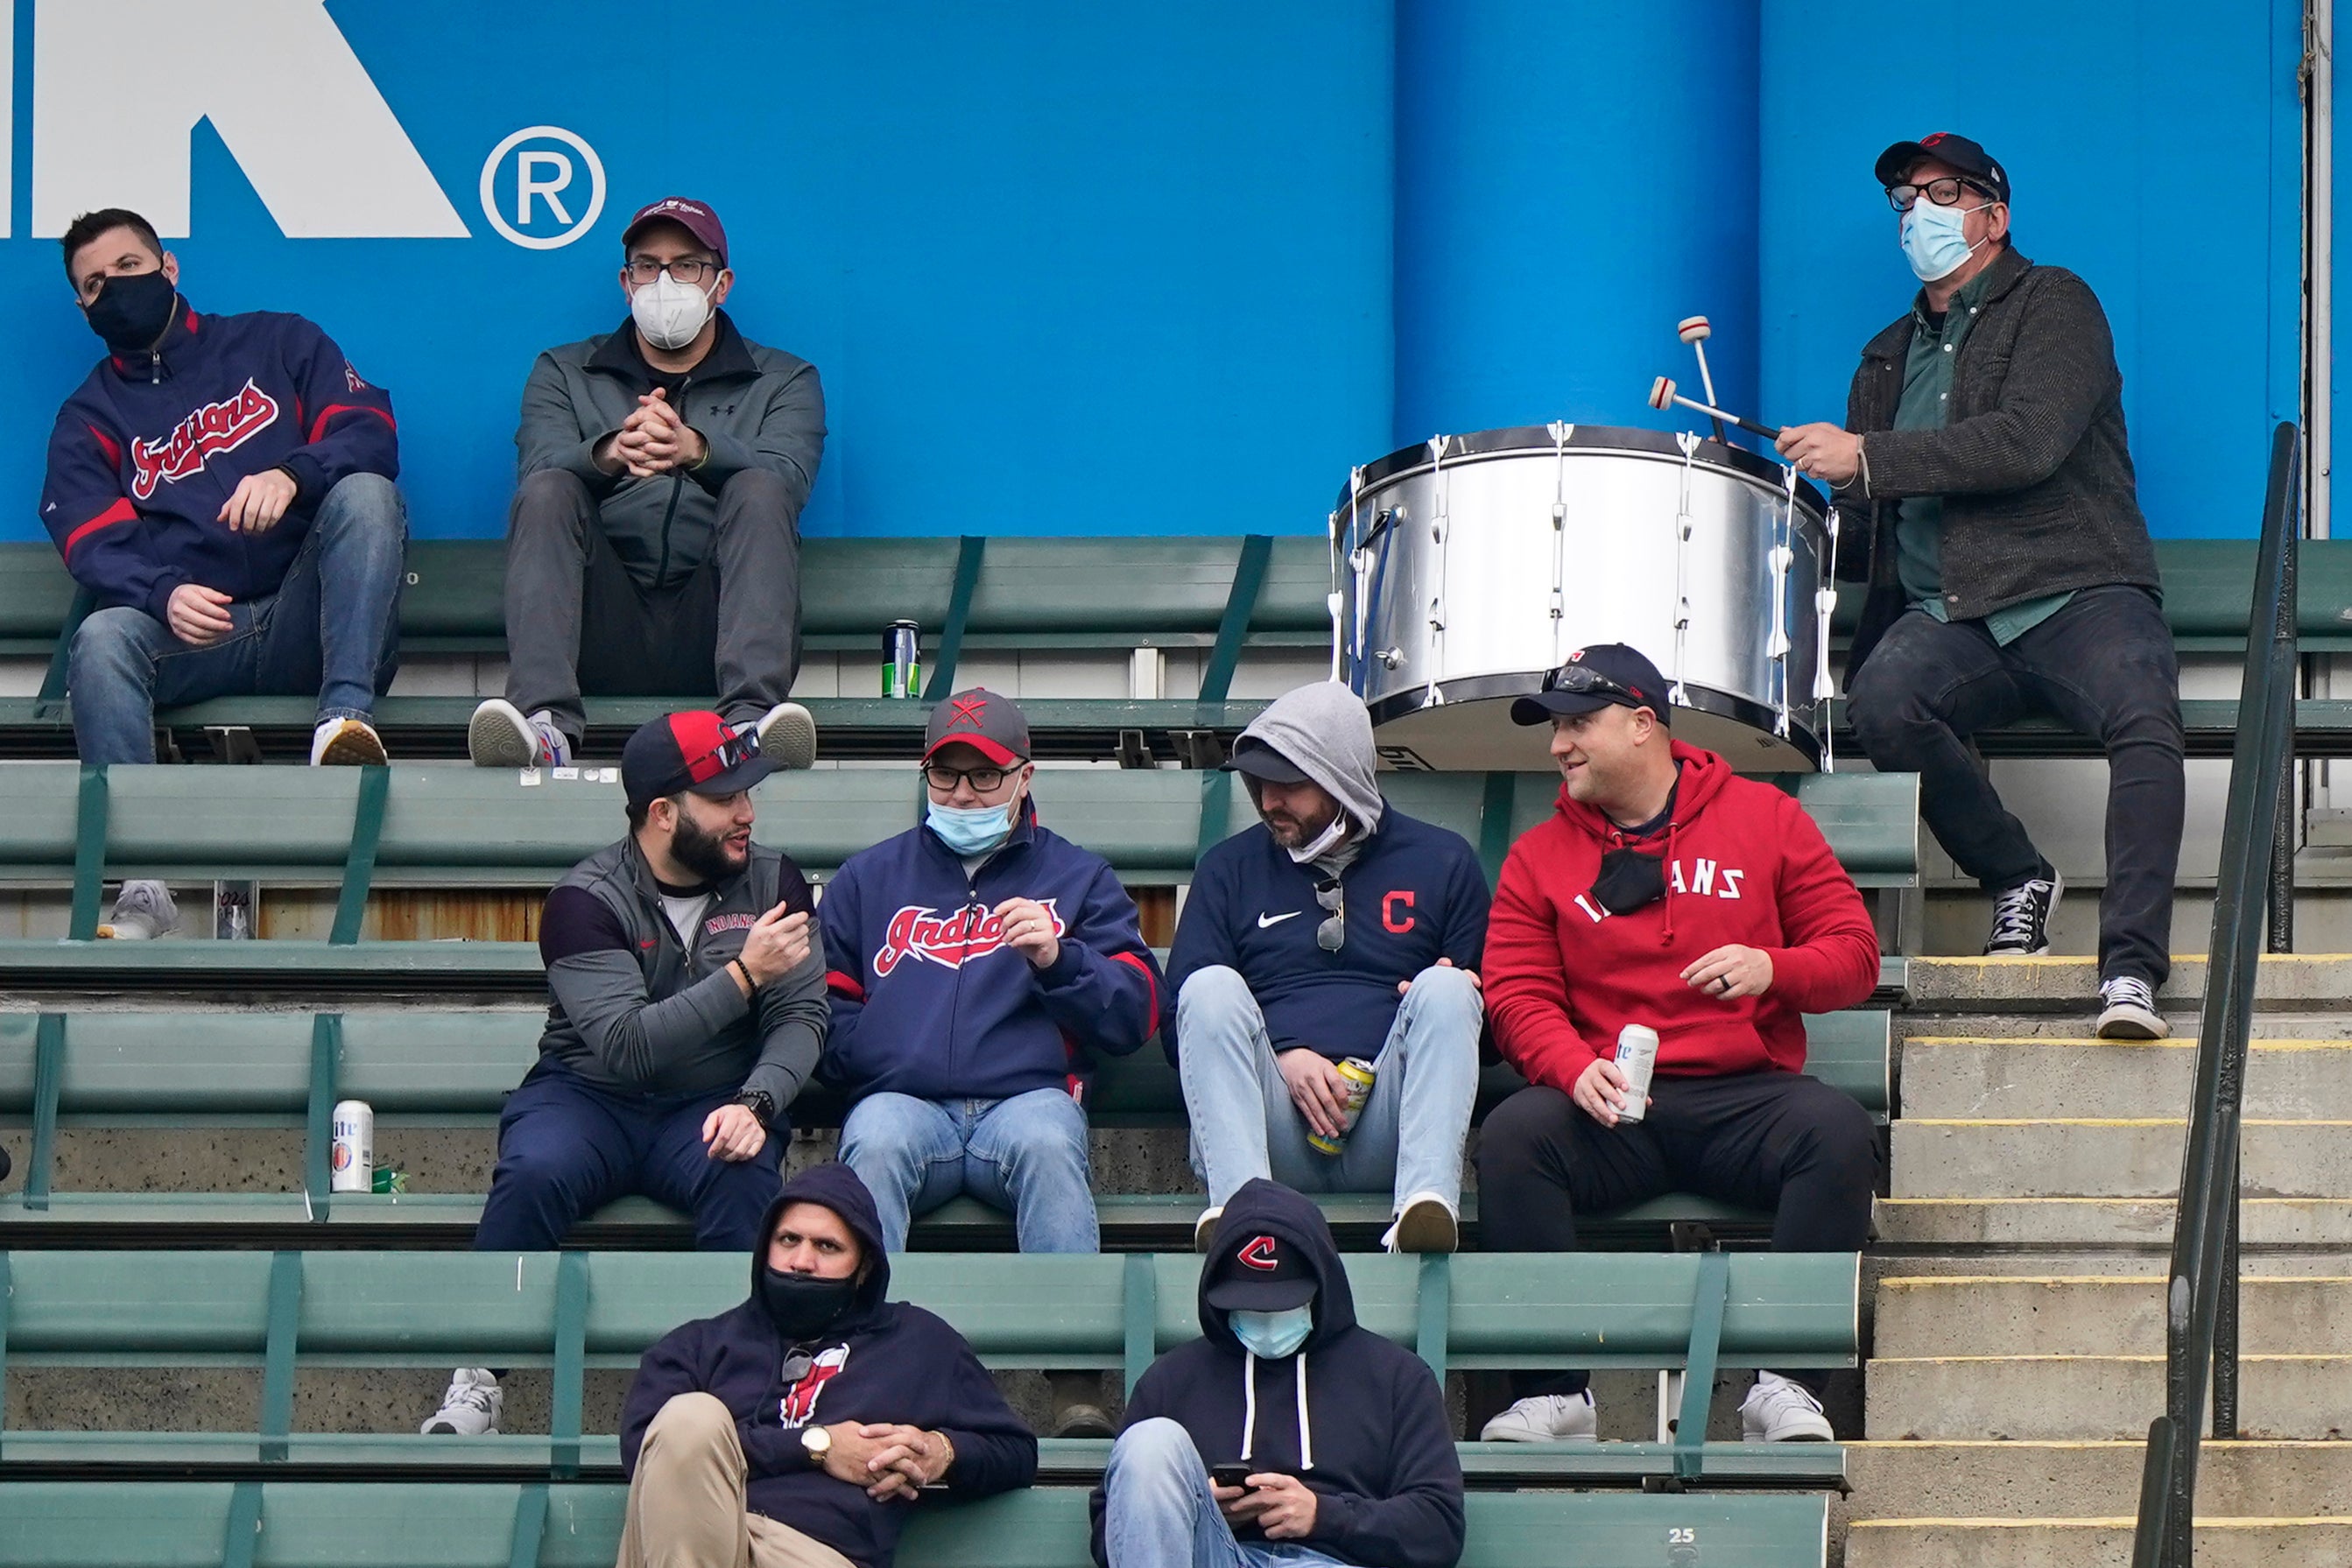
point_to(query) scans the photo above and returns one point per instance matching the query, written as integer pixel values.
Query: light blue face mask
(970, 830)
(1270, 1336)
(1933, 241)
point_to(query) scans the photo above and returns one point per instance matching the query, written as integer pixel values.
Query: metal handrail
(2201, 1298)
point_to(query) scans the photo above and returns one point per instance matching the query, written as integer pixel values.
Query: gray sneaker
(142, 911)
(788, 737)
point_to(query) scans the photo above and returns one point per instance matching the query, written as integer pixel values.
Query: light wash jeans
(1157, 1512)
(1410, 1136)
(333, 628)
(1027, 1154)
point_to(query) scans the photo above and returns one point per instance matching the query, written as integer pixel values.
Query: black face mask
(132, 310)
(802, 1306)
(1629, 879)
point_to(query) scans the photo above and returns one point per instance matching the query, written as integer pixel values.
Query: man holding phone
(687, 1008)
(1233, 1456)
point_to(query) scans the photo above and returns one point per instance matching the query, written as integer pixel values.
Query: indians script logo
(222, 426)
(965, 937)
(799, 1403)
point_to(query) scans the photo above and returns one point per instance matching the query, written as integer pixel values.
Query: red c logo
(1257, 1252)
(1389, 901)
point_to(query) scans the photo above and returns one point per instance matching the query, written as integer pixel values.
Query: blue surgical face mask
(970, 830)
(1933, 240)
(1270, 1336)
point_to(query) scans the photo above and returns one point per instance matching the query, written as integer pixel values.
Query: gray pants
(577, 622)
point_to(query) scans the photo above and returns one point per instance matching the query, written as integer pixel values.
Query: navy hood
(837, 1187)
(1262, 1207)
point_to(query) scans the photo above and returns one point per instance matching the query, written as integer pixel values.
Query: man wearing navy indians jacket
(975, 961)
(223, 486)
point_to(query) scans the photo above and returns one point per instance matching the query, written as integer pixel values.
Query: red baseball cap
(991, 725)
(688, 213)
(697, 751)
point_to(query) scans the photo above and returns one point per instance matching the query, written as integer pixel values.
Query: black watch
(760, 1102)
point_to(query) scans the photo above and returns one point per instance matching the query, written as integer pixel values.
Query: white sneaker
(142, 910)
(1425, 1223)
(1204, 1230)
(2130, 1010)
(470, 1407)
(1779, 1411)
(787, 736)
(498, 735)
(347, 743)
(1547, 1419)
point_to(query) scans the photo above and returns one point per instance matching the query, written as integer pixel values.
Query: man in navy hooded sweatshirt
(796, 1430)
(1349, 1456)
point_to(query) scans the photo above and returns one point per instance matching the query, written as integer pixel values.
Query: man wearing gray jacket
(687, 1008)
(653, 549)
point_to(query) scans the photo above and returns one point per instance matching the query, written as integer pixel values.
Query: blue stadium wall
(1110, 267)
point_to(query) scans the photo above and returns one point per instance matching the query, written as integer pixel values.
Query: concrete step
(2076, 1023)
(1998, 1315)
(2090, 1543)
(2058, 1479)
(2285, 981)
(1977, 1076)
(2126, 1157)
(2090, 1396)
(2317, 1223)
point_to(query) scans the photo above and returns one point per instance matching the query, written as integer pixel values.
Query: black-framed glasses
(1333, 899)
(944, 779)
(687, 269)
(1584, 681)
(1944, 193)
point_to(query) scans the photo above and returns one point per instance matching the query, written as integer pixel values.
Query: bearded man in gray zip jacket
(653, 549)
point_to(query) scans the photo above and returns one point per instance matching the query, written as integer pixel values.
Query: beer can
(902, 659)
(351, 1166)
(1637, 1057)
(1359, 1076)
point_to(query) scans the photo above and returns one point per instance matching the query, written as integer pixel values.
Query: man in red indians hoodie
(1667, 892)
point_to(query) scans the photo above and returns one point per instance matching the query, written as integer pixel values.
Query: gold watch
(816, 1442)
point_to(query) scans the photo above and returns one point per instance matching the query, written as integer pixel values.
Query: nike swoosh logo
(1265, 920)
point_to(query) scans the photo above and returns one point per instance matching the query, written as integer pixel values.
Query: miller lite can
(1637, 1057)
(902, 659)
(351, 1166)
(1360, 1077)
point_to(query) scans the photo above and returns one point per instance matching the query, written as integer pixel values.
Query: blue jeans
(1409, 1139)
(333, 628)
(1157, 1512)
(1027, 1154)
(567, 1149)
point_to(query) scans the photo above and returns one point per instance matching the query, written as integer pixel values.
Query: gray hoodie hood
(1326, 732)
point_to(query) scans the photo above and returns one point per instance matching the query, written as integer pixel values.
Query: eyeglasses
(687, 269)
(1944, 193)
(1333, 898)
(1586, 682)
(944, 779)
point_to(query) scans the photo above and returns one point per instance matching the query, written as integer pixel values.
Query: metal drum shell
(1456, 556)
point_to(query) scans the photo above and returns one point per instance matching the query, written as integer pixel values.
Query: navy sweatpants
(566, 1149)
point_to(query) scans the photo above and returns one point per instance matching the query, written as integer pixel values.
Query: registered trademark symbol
(541, 184)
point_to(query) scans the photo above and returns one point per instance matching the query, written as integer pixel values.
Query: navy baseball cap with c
(1894, 165)
(697, 751)
(1600, 676)
(1260, 1273)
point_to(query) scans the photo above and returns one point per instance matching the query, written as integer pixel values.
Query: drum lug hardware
(1390, 658)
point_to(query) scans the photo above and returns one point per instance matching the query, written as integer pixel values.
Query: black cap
(991, 725)
(1612, 673)
(697, 751)
(1894, 163)
(1255, 759)
(1260, 1273)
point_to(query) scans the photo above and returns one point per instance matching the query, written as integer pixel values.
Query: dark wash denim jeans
(2105, 667)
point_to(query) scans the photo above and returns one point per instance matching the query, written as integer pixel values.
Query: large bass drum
(1466, 567)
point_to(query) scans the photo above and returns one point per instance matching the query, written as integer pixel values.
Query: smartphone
(1230, 1475)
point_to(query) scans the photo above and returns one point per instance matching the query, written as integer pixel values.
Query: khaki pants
(686, 1501)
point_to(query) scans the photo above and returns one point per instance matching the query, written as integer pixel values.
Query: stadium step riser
(2121, 1157)
(1932, 1317)
(2091, 1396)
(2057, 1076)
(2087, 1479)
(2315, 981)
(2142, 1223)
(2092, 1543)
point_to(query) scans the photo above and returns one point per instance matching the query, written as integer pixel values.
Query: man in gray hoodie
(1336, 937)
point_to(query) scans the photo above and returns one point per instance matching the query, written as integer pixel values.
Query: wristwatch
(760, 1102)
(816, 1442)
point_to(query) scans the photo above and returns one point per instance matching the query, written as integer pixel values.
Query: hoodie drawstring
(1249, 1409)
(1666, 935)
(1306, 1435)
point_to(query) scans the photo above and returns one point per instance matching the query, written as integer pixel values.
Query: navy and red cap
(1633, 682)
(697, 751)
(688, 213)
(1894, 165)
(1259, 1273)
(991, 725)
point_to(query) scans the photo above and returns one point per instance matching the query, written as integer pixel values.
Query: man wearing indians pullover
(1667, 892)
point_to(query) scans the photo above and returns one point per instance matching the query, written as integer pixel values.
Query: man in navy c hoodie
(1337, 927)
(1347, 1454)
(975, 962)
(795, 1430)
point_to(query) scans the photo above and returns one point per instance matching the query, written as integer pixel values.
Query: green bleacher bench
(282, 1313)
(305, 1525)
(453, 1069)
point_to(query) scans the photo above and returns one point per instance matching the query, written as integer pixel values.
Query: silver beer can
(1637, 1058)
(351, 1166)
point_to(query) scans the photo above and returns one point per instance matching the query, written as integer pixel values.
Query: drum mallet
(1663, 396)
(1694, 330)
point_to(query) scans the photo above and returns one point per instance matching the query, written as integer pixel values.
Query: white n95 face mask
(669, 313)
